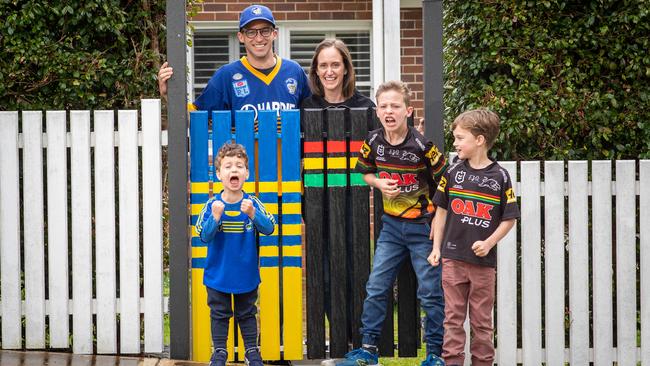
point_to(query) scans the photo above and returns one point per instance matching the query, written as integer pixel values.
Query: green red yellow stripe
(465, 193)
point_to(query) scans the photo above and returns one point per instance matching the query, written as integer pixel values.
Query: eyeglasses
(252, 32)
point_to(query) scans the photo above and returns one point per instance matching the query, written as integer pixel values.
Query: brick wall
(412, 55)
(290, 9)
(410, 24)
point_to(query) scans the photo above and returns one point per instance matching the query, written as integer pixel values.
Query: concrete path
(36, 358)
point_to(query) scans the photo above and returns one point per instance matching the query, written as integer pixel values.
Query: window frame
(283, 42)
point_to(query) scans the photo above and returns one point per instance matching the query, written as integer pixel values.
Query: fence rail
(62, 231)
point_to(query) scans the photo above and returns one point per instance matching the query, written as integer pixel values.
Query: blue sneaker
(432, 360)
(219, 357)
(359, 357)
(252, 357)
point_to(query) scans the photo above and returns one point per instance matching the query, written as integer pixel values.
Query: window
(215, 48)
(303, 44)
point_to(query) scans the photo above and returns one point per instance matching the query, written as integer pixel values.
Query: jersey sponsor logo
(365, 150)
(442, 185)
(237, 76)
(241, 88)
(460, 176)
(433, 155)
(268, 106)
(490, 183)
(510, 196)
(478, 215)
(474, 178)
(420, 144)
(408, 182)
(467, 208)
(249, 226)
(292, 85)
(393, 152)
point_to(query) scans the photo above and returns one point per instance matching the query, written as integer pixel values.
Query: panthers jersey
(416, 164)
(239, 86)
(477, 201)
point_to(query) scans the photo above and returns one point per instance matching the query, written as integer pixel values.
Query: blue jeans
(397, 240)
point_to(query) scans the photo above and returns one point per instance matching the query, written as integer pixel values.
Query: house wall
(411, 28)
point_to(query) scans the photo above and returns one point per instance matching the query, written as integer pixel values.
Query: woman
(332, 79)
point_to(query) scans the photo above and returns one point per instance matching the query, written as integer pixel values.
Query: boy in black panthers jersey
(405, 167)
(476, 208)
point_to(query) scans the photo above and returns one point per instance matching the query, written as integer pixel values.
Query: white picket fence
(607, 221)
(60, 232)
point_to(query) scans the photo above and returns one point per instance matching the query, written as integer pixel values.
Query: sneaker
(219, 357)
(360, 357)
(252, 357)
(432, 360)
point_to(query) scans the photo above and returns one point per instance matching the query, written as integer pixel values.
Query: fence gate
(280, 293)
(338, 230)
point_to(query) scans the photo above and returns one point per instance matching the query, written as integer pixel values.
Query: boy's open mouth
(234, 180)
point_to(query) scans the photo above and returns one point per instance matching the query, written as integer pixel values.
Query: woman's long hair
(348, 76)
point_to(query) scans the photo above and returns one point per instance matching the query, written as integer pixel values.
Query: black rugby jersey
(416, 164)
(477, 201)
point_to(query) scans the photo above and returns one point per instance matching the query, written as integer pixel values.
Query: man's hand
(434, 257)
(481, 248)
(217, 210)
(388, 187)
(248, 208)
(164, 74)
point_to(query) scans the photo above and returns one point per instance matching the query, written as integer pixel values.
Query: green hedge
(570, 79)
(79, 54)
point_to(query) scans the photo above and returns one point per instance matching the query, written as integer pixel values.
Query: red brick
(237, 7)
(226, 16)
(408, 78)
(280, 15)
(419, 60)
(203, 17)
(411, 33)
(331, 6)
(214, 7)
(406, 60)
(284, 7)
(355, 6)
(411, 51)
(407, 24)
(297, 16)
(321, 15)
(412, 69)
(407, 42)
(418, 42)
(411, 14)
(365, 15)
(307, 6)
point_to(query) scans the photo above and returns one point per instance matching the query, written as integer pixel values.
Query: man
(258, 81)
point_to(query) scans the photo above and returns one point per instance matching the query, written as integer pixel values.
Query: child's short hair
(479, 122)
(230, 149)
(396, 85)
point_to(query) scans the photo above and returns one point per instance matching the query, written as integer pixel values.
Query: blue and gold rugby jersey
(232, 262)
(239, 86)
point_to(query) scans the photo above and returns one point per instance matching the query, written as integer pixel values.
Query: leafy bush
(96, 54)
(570, 79)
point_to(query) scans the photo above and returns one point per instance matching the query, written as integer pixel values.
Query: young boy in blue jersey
(258, 81)
(228, 222)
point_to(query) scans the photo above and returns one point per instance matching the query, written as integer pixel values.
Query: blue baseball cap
(255, 12)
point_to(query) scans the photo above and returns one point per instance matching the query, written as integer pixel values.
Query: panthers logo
(365, 150)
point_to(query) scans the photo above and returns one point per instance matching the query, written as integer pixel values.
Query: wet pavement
(37, 358)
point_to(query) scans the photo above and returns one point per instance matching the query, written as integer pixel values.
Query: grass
(404, 361)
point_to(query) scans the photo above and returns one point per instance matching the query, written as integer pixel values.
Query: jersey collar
(267, 79)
